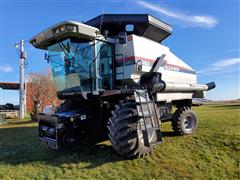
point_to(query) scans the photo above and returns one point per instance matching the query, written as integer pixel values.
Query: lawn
(213, 152)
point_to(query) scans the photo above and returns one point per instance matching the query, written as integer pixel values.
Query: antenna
(101, 20)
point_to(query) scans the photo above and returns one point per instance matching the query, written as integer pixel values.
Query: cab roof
(144, 25)
(54, 34)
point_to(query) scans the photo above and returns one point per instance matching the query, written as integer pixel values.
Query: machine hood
(144, 25)
(63, 30)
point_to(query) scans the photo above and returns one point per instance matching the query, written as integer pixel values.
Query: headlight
(62, 28)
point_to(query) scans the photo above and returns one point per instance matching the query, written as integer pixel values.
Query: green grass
(213, 152)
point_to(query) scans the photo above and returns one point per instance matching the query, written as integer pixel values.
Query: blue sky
(205, 35)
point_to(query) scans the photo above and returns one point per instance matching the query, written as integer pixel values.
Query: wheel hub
(189, 123)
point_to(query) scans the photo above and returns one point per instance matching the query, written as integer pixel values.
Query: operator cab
(81, 59)
(73, 65)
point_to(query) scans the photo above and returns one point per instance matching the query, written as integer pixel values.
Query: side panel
(172, 68)
(140, 49)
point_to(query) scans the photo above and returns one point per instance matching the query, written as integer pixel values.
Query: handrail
(123, 65)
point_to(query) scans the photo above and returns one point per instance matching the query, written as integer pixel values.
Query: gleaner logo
(172, 68)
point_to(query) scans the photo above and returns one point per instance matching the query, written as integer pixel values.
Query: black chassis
(76, 121)
(67, 127)
(49, 129)
(61, 129)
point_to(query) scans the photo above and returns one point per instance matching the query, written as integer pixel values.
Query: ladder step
(148, 115)
(155, 143)
(158, 140)
(145, 102)
(166, 118)
(155, 128)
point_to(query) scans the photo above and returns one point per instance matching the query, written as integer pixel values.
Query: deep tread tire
(179, 118)
(125, 139)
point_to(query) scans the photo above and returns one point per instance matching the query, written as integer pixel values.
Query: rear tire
(124, 131)
(184, 121)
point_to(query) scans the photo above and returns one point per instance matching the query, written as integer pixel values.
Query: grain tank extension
(118, 81)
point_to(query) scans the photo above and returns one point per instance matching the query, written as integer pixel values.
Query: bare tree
(40, 93)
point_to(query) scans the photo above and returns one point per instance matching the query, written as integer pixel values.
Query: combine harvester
(116, 79)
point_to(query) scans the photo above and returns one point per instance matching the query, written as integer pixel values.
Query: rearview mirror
(46, 57)
(122, 37)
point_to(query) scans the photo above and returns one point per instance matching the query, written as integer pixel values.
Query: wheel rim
(189, 123)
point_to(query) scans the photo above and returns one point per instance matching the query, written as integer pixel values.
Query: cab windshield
(72, 63)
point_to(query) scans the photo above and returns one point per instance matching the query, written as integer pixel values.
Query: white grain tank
(142, 48)
(139, 55)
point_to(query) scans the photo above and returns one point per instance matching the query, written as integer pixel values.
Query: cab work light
(62, 28)
(65, 28)
(70, 27)
(57, 31)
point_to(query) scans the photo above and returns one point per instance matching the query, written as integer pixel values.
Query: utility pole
(22, 96)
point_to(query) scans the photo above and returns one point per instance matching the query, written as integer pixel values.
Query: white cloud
(6, 68)
(196, 20)
(234, 50)
(227, 62)
(219, 66)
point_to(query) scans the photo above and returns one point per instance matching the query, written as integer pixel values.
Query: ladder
(149, 120)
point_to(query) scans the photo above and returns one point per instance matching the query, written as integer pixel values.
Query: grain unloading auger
(116, 79)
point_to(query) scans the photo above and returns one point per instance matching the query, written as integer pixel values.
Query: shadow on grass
(18, 122)
(226, 106)
(19, 145)
(168, 134)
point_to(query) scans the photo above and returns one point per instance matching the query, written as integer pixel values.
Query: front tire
(124, 131)
(184, 121)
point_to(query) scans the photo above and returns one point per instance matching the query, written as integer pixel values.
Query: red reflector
(129, 38)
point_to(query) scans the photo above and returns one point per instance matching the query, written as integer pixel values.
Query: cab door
(106, 65)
